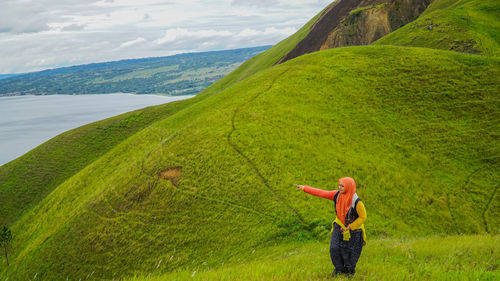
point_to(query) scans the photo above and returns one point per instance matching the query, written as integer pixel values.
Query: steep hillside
(468, 26)
(357, 22)
(25, 181)
(415, 127)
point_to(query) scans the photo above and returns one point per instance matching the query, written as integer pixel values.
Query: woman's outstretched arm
(327, 194)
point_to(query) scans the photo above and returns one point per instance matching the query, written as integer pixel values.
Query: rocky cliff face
(357, 22)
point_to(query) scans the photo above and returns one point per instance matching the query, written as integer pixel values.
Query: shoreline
(93, 94)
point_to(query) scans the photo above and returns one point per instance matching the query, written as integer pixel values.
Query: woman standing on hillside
(348, 231)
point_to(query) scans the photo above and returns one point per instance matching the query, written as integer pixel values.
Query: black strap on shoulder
(356, 203)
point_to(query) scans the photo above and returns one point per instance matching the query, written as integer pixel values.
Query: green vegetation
(360, 9)
(471, 26)
(349, 111)
(5, 239)
(416, 127)
(175, 75)
(25, 182)
(139, 74)
(437, 258)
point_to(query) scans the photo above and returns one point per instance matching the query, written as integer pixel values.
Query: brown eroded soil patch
(173, 174)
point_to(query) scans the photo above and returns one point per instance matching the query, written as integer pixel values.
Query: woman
(348, 232)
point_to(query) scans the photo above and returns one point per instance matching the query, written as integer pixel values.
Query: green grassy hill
(25, 181)
(420, 150)
(468, 26)
(210, 181)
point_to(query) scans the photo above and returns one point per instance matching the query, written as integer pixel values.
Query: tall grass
(435, 258)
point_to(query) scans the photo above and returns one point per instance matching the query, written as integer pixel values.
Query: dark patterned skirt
(345, 254)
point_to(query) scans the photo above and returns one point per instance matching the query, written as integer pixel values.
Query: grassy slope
(415, 127)
(470, 26)
(24, 182)
(436, 258)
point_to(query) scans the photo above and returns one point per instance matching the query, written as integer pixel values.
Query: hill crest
(357, 22)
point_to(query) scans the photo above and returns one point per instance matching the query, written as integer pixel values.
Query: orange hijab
(344, 200)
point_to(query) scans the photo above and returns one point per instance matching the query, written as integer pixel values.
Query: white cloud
(50, 33)
(132, 42)
(21, 16)
(73, 27)
(287, 31)
(258, 3)
(176, 34)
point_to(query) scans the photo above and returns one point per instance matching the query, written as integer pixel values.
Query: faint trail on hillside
(249, 161)
(464, 187)
(172, 136)
(465, 190)
(488, 207)
(224, 202)
(123, 219)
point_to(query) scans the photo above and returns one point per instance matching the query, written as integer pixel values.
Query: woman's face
(341, 188)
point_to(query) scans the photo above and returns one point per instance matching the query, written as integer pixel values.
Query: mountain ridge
(181, 74)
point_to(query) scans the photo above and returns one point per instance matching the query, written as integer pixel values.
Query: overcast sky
(41, 34)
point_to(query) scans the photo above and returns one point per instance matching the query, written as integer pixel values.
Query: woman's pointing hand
(299, 187)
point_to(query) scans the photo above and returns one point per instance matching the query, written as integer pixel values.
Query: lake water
(28, 121)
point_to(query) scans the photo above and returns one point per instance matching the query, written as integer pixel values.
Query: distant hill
(5, 76)
(207, 182)
(183, 74)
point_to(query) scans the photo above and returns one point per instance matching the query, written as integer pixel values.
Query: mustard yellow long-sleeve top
(330, 194)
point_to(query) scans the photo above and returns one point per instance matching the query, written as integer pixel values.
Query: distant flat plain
(28, 121)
